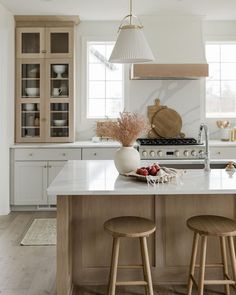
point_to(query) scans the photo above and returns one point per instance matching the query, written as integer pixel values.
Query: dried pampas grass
(126, 129)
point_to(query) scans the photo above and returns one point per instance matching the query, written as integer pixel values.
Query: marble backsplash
(184, 96)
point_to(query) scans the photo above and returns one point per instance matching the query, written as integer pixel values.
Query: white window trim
(82, 103)
(214, 39)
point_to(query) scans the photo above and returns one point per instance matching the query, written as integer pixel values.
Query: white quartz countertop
(76, 144)
(101, 144)
(101, 178)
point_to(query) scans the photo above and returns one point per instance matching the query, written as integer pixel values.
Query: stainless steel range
(171, 148)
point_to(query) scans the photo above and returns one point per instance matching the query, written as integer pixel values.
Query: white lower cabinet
(32, 179)
(30, 183)
(98, 153)
(223, 153)
(33, 170)
(53, 169)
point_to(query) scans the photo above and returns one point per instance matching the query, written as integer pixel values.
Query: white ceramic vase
(126, 159)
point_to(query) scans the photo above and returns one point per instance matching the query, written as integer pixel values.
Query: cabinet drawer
(47, 154)
(98, 154)
(223, 153)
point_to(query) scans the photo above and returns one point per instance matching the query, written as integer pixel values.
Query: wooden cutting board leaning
(165, 122)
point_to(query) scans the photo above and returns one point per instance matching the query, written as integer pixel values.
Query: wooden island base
(84, 248)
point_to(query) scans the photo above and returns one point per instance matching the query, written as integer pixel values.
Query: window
(105, 87)
(221, 83)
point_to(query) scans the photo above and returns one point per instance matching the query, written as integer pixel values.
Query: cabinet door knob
(45, 166)
(95, 154)
(31, 154)
(63, 154)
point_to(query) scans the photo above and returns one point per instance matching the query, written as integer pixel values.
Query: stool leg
(225, 263)
(144, 265)
(147, 265)
(202, 265)
(114, 264)
(232, 256)
(192, 263)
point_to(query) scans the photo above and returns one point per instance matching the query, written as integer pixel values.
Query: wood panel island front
(90, 192)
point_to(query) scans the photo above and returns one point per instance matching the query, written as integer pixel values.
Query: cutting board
(165, 122)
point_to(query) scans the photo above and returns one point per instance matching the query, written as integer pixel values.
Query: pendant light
(131, 45)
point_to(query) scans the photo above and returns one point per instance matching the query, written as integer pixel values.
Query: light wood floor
(31, 270)
(25, 270)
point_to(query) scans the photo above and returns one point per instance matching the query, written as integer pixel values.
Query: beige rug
(41, 232)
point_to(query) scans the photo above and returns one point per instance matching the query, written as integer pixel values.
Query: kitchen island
(90, 192)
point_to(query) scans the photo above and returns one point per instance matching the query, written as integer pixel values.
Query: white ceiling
(116, 9)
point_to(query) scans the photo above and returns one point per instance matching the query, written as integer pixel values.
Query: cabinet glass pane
(59, 42)
(59, 80)
(59, 120)
(30, 80)
(30, 43)
(30, 120)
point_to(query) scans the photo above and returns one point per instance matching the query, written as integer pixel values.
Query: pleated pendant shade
(131, 46)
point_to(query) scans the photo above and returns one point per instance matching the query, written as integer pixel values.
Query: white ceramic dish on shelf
(32, 91)
(59, 70)
(59, 122)
(29, 107)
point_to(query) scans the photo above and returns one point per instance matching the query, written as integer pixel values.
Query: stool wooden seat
(130, 227)
(211, 225)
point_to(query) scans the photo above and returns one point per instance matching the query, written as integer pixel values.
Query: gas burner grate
(167, 141)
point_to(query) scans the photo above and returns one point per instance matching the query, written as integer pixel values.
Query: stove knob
(152, 154)
(193, 153)
(177, 153)
(186, 153)
(201, 153)
(159, 154)
(144, 154)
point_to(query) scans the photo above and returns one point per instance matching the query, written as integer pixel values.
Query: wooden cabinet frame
(44, 58)
(19, 32)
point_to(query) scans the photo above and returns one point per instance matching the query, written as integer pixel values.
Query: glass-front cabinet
(29, 100)
(44, 42)
(60, 99)
(59, 42)
(30, 43)
(45, 84)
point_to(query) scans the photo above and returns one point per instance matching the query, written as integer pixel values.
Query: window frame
(84, 79)
(216, 40)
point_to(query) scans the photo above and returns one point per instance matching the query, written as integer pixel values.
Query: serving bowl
(32, 91)
(59, 122)
(29, 107)
(59, 70)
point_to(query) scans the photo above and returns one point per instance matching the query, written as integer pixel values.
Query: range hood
(178, 47)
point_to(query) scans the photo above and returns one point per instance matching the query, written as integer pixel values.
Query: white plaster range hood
(178, 47)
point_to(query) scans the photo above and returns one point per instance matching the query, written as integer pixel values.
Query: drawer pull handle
(49, 166)
(218, 153)
(30, 154)
(44, 51)
(95, 154)
(63, 154)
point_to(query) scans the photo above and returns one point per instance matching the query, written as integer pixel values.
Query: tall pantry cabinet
(45, 78)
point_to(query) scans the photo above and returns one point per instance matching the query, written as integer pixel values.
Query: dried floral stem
(126, 129)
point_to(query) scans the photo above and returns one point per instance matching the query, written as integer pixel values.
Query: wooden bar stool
(130, 227)
(211, 225)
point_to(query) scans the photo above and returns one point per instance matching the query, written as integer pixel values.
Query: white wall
(183, 96)
(7, 102)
